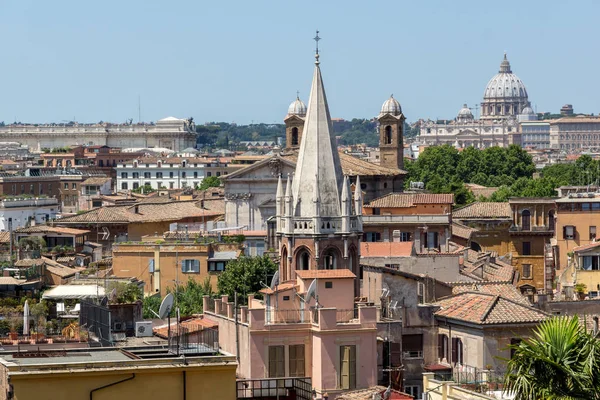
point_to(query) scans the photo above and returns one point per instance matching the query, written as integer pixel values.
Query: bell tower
(294, 124)
(391, 134)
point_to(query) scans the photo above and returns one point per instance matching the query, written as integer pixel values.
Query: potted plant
(14, 323)
(580, 288)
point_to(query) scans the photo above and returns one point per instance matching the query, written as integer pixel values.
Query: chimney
(396, 236)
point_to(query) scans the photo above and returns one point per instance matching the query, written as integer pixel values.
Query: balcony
(405, 219)
(532, 230)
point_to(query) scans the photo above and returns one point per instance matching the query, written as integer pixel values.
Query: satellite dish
(104, 301)
(275, 280)
(79, 261)
(312, 291)
(166, 306)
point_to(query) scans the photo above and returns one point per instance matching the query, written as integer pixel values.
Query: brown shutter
(440, 346)
(454, 350)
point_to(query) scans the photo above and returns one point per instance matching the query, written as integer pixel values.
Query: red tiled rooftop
(403, 200)
(191, 326)
(484, 210)
(586, 246)
(325, 274)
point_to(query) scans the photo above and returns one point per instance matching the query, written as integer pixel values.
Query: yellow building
(161, 263)
(577, 218)
(108, 373)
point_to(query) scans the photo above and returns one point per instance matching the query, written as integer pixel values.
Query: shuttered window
(190, 266)
(276, 359)
(457, 351)
(412, 346)
(151, 265)
(348, 367)
(442, 347)
(296, 360)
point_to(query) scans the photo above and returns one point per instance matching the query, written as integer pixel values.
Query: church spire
(318, 160)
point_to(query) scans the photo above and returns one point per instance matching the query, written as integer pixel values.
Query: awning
(74, 292)
(224, 256)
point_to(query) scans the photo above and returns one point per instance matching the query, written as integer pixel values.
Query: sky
(243, 61)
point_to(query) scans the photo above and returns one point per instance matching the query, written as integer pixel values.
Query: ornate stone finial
(316, 39)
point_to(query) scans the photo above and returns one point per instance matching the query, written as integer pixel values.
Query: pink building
(308, 324)
(333, 343)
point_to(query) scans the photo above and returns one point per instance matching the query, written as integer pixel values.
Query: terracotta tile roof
(487, 309)
(479, 190)
(483, 210)
(280, 288)
(586, 246)
(5, 237)
(9, 280)
(462, 231)
(191, 326)
(96, 181)
(28, 262)
(172, 211)
(486, 267)
(51, 229)
(63, 272)
(403, 200)
(386, 249)
(506, 290)
(325, 274)
(354, 166)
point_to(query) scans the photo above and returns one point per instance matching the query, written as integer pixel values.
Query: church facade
(505, 101)
(250, 193)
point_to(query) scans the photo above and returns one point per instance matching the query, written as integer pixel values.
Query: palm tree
(561, 361)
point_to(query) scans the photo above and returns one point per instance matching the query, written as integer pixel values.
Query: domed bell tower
(391, 134)
(294, 124)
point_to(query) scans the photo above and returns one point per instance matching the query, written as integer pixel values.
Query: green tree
(560, 361)
(144, 189)
(208, 182)
(124, 292)
(246, 275)
(150, 304)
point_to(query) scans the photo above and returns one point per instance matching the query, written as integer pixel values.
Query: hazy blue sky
(244, 60)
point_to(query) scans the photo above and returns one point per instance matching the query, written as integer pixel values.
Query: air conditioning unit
(143, 329)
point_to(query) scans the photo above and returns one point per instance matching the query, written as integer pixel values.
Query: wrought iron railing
(270, 388)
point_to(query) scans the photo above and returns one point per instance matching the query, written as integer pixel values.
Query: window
(348, 367)
(328, 285)
(405, 237)
(569, 232)
(412, 346)
(551, 221)
(457, 351)
(442, 347)
(526, 248)
(371, 236)
(183, 174)
(527, 271)
(218, 173)
(526, 220)
(208, 173)
(431, 240)
(592, 233)
(329, 260)
(66, 186)
(124, 186)
(303, 260)
(151, 265)
(420, 292)
(123, 175)
(195, 174)
(296, 360)
(136, 175)
(159, 175)
(136, 185)
(146, 175)
(216, 266)
(586, 207)
(590, 263)
(294, 136)
(413, 390)
(276, 366)
(171, 185)
(190, 266)
(376, 211)
(171, 174)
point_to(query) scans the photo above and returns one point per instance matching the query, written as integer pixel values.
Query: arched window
(457, 351)
(303, 260)
(284, 272)
(526, 220)
(294, 136)
(551, 221)
(330, 259)
(388, 135)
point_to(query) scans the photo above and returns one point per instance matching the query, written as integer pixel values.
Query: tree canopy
(208, 182)
(246, 275)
